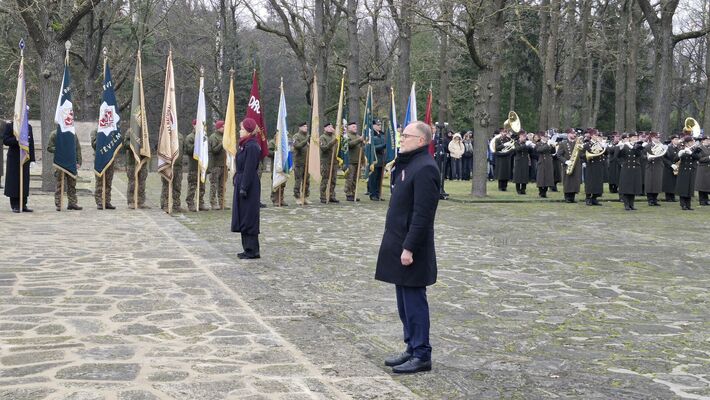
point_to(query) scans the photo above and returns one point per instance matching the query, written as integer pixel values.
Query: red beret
(249, 125)
(219, 124)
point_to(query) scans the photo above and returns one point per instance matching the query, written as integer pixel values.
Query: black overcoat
(631, 175)
(594, 174)
(702, 175)
(503, 168)
(521, 163)
(545, 165)
(570, 183)
(685, 182)
(12, 170)
(245, 211)
(410, 222)
(614, 166)
(653, 172)
(669, 179)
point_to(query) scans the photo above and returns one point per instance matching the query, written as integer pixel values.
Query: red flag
(256, 112)
(427, 120)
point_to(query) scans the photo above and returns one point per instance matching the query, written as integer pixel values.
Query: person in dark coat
(407, 257)
(467, 159)
(702, 175)
(521, 162)
(565, 152)
(614, 168)
(2, 153)
(630, 153)
(653, 169)
(503, 159)
(545, 177)
(685, 182)
(669, 173)
(12, 176)
(594, 151)
(374, 181)
(247, 190)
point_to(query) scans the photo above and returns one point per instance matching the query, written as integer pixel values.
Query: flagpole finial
(21, 45)
(231, 72)
(202, 71)
(67, 45)
(105, 52)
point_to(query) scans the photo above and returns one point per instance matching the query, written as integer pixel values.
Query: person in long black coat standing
(503, 160)
(247, 190)
(407, 257)
(669, 174)
(685, 184)
(630, 153)
(702, 175)
(521, 162)
(653, 169)
(12, 177)
(545, 177)
(614, 168)
(594, 151)
(571, 183)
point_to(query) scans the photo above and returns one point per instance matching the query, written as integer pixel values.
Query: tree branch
(690, 35)
(74, 20)
(653, 21)
(33, 28)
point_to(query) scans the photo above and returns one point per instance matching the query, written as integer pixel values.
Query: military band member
(669, 171)
(300, 151)
(218, 171)
(614, 168)
(328, 164)
(630, 153)
(545, 177)
(503, 159)
(277, 194)
(192, 175)
(565, 152)
(177, 180)
(702, 175)
(131, 175)
(594, 152)
(653, 169)
(99, 184)
(374, 182)
(355, 151)
(688, 157)
(70, 185)
(521, 162)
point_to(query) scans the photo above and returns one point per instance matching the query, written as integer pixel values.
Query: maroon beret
(249, 125)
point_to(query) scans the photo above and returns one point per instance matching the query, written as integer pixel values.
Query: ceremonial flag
(411, 114)
(109, 139)
(392, 145)
(339, 121)
(168, 135)
(314, 146)
(281, 160)
(139, 139)
(65, 146)
(201, 151)
(427, 120)
(229, 137)
(20, 121)
(367, 133)
(255, 111)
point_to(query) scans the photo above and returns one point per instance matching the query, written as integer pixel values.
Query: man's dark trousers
(414, 313)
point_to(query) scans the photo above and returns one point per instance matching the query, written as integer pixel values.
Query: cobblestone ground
(128, 305)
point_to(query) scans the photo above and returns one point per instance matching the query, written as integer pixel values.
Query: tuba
(513, 122)
(692, 127)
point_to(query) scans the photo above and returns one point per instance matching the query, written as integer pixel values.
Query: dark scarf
(404, 158)
(243, 141)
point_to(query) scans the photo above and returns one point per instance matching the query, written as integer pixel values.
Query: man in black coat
(503, 159)
(594, 151)
(669, 175)
(630, 153)
(374, 181)
(12, 177)
(407, 257)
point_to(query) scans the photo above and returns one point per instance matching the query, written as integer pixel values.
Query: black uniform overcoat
(12, 177)
(521, 163)
(631, 175)
(702, 175)
(545, 167)
(685, 182)
(653, 172)
(245, 211)
(503, 170)
(594, 174)
(570, 183)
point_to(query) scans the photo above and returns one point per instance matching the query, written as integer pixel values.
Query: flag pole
(22, 187)
(305, 172)
(226, 159)
(170, 194)
(199, 179)
(22, 205)
(135, 186)
(61, 189)
(103, 176)
(337, 132)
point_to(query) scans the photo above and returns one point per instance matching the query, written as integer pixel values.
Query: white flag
(201, 150)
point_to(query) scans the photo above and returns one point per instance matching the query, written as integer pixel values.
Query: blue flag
(367, 133)
(65, 148)
(109, 139)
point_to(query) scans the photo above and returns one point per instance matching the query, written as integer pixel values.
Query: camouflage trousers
(217, 186)
(351, 180)
(131, 174)
(69, 188)
(98, 187)
(277, 194)
(298, 173)
(192, 188)
(177, 189)
(325, 173)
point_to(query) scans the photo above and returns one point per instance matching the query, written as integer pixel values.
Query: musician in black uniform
(702, 176)
(653, 169)
(521, 162)
(503, 156)
(545, 168)
(594, 151)
(669, 172)
(566, 152)
(685, 182)
(630, 178)
(614, 167)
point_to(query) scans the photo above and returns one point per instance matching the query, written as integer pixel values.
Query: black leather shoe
(334, 201)
(322, 201)
(16, 210)
(109, 206)
(27, 209)
(397, 359)
(244, 256)
(74, 207)
(413, 365)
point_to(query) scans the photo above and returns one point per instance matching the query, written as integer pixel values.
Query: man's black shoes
(412, 366)
(397, 359)
(244, 256)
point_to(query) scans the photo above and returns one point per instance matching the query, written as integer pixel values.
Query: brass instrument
(596, 150)
(513, 122)
(575, 155)
(659, 149)
(492, 143)
(692, 126)
(508, 147)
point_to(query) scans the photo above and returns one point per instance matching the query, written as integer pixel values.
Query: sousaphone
(692, 126)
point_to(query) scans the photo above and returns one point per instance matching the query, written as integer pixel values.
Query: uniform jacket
(12, 176)
(614, 166)
(378, 142)
(653, 172)
(631, 175)
(410, 221)
(503, 170)
(594, 174)
(300, 148)
(355, 143)
(685, 181)
(51, 146)
(545, 167)
(669, 179)
(521, 162)
(702, 175)
(218, 156)
(570, 183)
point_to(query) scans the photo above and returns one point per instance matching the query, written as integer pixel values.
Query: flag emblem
(66, 112)
(109, 119)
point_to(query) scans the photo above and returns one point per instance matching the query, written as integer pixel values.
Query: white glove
(674, 167)
(568, 162)
(529, 143)
(584, 165)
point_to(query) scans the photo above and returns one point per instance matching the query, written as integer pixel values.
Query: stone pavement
(129, 305)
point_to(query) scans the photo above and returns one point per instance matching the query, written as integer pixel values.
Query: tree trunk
(569, 68)
(403, 19)
(513, 83)
(444, 69)
(620, 76)
(353, 63)
(631, 68)
(50, 70)
(597, 95)
(550, 69)
(706, 113)
(588, 94)
(321, 58)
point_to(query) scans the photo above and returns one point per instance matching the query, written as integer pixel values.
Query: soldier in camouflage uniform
(131, 174)
(192, 174)
(355, 150)
(177, 181)
(218, 169)
(70, 182)
(98, 187)
(277, 194)
(328, 164)
(300, 148)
